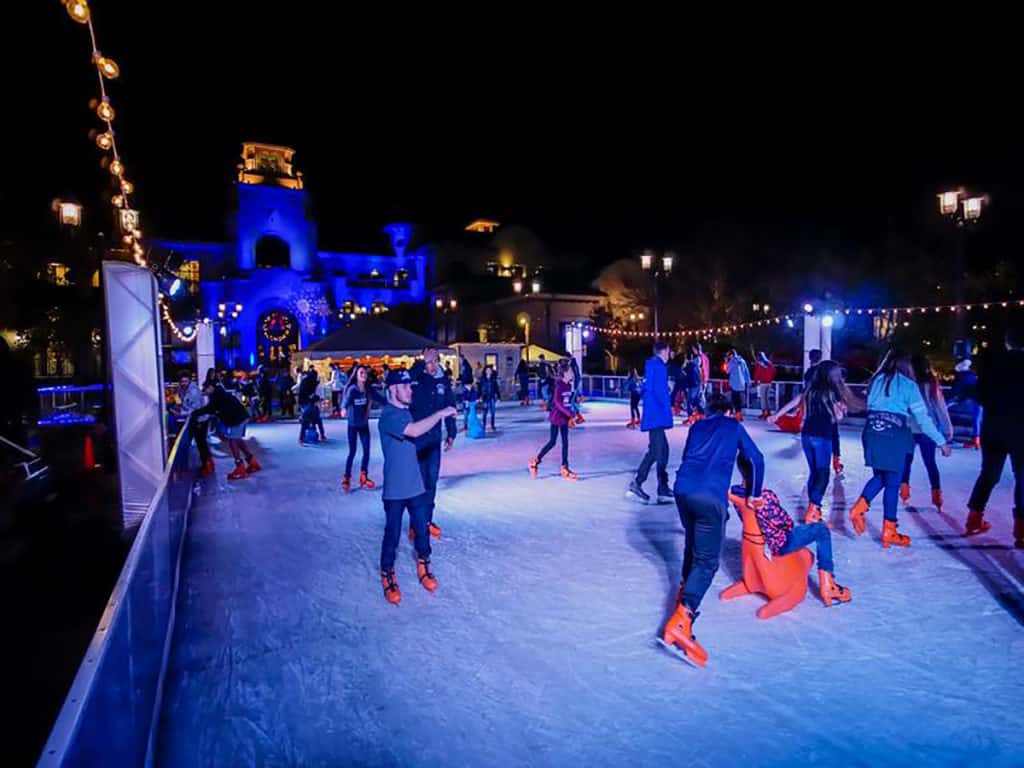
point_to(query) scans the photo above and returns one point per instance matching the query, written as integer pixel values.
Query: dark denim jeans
(994, 450)
(556, 430)
(393, 511)
(703, 517)
(363, 434)
(815, 533)
(430, 468)
(818, 452)
(657, 453)
(890, 481)
(927, 448)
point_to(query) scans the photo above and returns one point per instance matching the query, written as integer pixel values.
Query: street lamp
(446, 307)
(647, 263)
(68, 213)
(524, 322)
(962, 211)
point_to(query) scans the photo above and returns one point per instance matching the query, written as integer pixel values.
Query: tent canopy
(370, 336)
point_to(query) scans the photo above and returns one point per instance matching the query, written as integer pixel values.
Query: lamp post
(524, 322)
(446, 307)
(962, 211)
(658, 270)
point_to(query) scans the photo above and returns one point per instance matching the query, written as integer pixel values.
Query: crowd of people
(905, 414)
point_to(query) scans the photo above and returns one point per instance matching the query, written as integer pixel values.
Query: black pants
(363, 433)
(634, 406)
(266, 401)
(994, 450)
(335, 400)
(393, 511)
(737, 400)
(304, 425)
(703, 517)
(199, 432)
(556, 430)
(430, 469)
(657, 453)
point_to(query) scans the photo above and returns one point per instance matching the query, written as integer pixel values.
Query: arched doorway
(272, 251)
(277, 336)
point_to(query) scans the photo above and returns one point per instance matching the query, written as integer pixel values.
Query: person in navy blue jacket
(432, 392)
(713, 447)
(656, 418)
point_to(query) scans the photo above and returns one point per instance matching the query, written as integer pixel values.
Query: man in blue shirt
(403, 481)
(655, 419)
(431, 392)
(701, 492)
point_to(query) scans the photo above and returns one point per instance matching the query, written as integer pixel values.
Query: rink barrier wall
(781, 392)
(110, 712)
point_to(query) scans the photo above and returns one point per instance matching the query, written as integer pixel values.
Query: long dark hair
(925, 375)
(896, 361)
(828, 389)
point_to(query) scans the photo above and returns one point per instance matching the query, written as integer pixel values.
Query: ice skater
(739, 380)
(633, 388)
(356, 402)
(232, 418)
(311, 420)
(657, 418)
(764, 375)
(701, 495)
(404, 488)
(931, 392)
(1002, 434)
(560, 417)
(489, 395)
(893, 399)
(432, 392)
(825, 402)
(523, 381)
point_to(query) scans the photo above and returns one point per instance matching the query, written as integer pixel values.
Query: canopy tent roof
(370, 336)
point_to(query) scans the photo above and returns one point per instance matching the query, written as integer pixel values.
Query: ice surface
(538, 647)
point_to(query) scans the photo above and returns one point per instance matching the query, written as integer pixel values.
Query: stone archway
(271, 252)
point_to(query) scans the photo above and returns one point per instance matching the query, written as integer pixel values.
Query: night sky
(600, 141)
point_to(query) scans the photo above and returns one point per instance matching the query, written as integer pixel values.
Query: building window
(401, 277)
(378, 307)
(189, 272)
(272, 252)
(57, 273)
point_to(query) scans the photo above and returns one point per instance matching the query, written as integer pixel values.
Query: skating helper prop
(783, 579)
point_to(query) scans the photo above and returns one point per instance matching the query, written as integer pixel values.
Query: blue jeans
(927, 447)
(890, 481)
(818, 452)
(393, 511)
(363, 433)
(703, 517)
(490, 406)
(815, 533)
(430, 468)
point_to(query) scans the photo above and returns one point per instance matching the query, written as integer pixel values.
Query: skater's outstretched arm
(416, 428)
(786, 408)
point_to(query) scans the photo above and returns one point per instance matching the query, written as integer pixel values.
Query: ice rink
(538, 647)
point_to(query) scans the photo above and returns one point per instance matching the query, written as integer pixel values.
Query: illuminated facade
(292, 293)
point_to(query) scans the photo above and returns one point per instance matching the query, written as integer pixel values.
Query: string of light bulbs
(106, 140)
(809, 310)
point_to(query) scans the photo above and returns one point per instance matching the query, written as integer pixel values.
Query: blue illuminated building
(291, 292)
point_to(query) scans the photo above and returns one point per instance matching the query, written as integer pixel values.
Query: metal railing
(109, 714)
(963, 416)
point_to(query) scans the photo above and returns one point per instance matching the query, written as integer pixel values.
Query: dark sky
(601, 135)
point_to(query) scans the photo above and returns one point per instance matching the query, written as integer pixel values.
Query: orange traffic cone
(88, 455)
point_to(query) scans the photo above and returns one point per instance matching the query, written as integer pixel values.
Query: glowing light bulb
(78, 10)
(108, 67)
(127, 187)
(105, 140)
(104, 111)
(117, 168)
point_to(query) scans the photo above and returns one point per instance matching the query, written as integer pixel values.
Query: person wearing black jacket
(1002, 434)
(232, 417)
(489, 395)
(431, 392)
(307, 387)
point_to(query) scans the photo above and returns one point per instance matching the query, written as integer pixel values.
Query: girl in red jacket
(561, 418)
